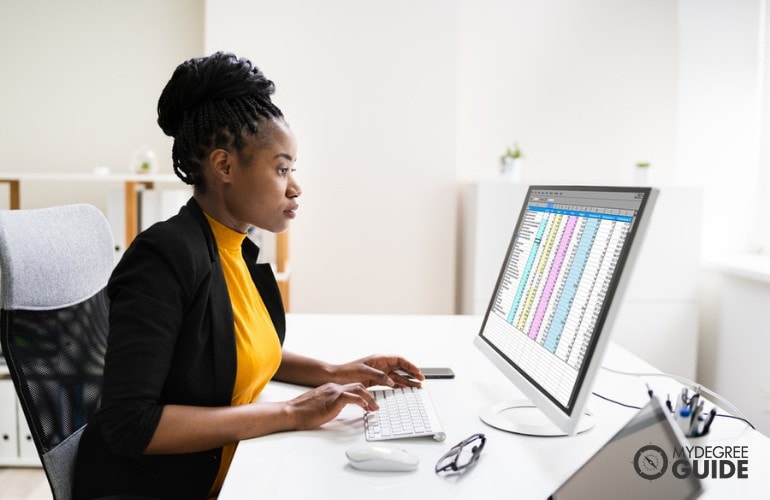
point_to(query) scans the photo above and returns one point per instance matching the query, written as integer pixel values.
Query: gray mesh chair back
(54, 265)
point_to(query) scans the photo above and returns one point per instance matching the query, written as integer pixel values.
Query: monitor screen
(553, 297)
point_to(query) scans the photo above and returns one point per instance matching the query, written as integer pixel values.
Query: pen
(684, 420)
(701, 426)
(709, 420)
(697, 410)
(680, 401)
(694, 401)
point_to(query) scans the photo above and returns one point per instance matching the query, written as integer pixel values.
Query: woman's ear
(221, 164)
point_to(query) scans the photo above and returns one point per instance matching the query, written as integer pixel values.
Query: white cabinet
(27, 449)
(658, 318)
(16, 445)
(487, 219)
(9, 434)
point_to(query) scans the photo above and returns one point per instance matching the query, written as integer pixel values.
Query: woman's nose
(294, 190)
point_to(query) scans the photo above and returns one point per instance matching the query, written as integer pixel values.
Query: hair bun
(220, 76)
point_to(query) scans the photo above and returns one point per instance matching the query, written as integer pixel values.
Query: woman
(196, 326)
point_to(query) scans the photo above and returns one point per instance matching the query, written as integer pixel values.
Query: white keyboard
(405, 412)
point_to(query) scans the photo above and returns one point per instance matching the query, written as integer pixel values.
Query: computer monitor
(547, 321)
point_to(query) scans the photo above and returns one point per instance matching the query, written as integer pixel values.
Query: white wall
(80, 84)
(719, 106)
(718, 148)
(394, 102)
(735, 341)
(369, 89)
(587, 88)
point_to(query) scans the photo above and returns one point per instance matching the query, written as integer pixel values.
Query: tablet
(637, 463)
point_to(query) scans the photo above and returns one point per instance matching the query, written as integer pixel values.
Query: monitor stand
(523, 417)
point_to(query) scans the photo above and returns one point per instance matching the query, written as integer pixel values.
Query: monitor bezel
(567, 418)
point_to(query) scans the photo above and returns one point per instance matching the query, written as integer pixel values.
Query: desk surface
(312, 464)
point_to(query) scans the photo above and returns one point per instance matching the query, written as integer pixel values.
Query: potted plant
(143, 161)
(642, 172)
(511, 163)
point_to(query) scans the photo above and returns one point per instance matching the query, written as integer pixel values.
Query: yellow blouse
(257, 346)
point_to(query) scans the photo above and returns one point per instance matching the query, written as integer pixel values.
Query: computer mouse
(381, 457)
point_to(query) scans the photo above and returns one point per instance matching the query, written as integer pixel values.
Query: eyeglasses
(456, 461)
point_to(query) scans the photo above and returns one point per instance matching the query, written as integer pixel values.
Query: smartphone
(437, 373)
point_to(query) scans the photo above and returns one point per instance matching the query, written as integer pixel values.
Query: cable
(626, 405)
(694, 386)
(616, 402)
(736, 418)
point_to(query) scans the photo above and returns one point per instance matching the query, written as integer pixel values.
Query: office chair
(54, 265)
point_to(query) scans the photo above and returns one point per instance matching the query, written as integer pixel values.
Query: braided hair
(212, 102)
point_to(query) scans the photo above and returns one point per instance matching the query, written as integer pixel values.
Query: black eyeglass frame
(454, 454)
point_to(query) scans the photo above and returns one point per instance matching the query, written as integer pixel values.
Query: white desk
(312, 464)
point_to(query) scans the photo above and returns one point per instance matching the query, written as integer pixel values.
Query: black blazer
(171, 341)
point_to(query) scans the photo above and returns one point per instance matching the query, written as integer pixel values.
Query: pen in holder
(690, 414)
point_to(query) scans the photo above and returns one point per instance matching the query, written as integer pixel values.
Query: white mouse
(381, 457)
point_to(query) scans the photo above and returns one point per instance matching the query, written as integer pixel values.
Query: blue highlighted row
(580, 213)
(527, 269)
(571, 286)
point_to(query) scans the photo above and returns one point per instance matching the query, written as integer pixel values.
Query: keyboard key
(404, 412)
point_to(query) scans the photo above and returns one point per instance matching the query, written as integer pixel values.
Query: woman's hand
(190, 429)
(379, 370)
(322, 404)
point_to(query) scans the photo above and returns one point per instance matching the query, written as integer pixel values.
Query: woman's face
(262, 191)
